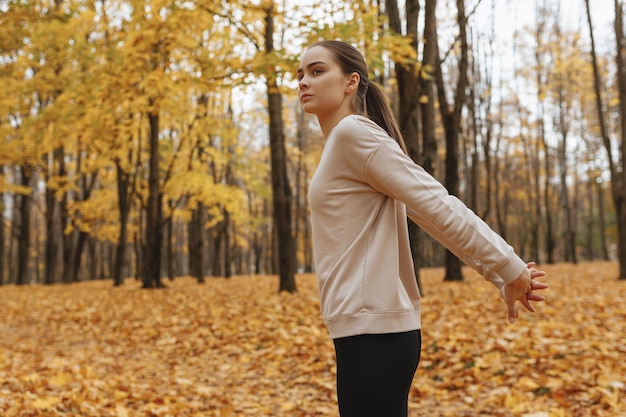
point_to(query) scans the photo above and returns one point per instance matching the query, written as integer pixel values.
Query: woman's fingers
(522, 290)
(536, 285)
(513, 312)
(535, 297)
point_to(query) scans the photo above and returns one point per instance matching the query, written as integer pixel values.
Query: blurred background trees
(155, 139)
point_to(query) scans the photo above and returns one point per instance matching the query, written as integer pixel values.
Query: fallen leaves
(237, 348)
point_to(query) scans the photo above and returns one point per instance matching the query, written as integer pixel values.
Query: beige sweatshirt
(360, 196)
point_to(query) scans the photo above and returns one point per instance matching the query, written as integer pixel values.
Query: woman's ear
(353, 82)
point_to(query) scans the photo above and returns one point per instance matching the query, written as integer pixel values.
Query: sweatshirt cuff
(512, 269)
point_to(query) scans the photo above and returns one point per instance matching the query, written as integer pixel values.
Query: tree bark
(497, 178)
(602, 221)
(85, 185)
(154, 227)
(170, 245)
(196, 244)
(123, 203)
(550, 243)
(68, 235)
(451, 116)
(280, 182)
(568, 211)
(618, 176)
(408, 109)
(411, 87)
(50, 246)
(429, 62)
(23, 243)
(619, 187)
(560, 83)
(303, 229)
(228, 271)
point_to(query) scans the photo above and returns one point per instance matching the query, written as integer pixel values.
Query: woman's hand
(522, 289)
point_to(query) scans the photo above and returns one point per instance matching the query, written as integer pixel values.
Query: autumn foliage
(235, 347)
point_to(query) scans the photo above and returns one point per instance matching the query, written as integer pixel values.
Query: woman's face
(323, 87)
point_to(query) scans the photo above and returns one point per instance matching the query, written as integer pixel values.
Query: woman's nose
(303, 84)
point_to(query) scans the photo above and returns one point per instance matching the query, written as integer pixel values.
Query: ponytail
(377, 108)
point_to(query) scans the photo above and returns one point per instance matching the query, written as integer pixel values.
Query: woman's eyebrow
(310, 65)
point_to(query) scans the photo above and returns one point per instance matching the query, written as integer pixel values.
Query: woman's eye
(317, 71)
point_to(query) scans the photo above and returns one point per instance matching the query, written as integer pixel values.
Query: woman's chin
(308, 109)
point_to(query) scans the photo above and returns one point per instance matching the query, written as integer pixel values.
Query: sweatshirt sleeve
(443, 216)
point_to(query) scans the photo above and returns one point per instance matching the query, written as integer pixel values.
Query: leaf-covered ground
(237, 348)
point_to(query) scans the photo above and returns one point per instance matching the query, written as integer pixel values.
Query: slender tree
(280, 182)
(24, 240)
(409, 93)
(616, 163)
(451, 115)
(124, 186)
(619, 187)
(86, 184)
(51, 240)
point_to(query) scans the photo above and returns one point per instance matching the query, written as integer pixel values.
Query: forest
(155, 139)
(152, 144)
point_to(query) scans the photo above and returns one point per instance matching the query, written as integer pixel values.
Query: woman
(360, 196)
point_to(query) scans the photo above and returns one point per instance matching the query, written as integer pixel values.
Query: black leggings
(374, 373)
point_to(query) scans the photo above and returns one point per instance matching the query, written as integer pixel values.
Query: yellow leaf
(121, 411)
(528, 383)
(120, 395)
(287, 406)
(46, 403)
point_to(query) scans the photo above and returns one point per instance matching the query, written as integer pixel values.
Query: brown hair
(370, 99)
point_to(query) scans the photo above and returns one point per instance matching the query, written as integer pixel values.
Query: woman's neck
(328, 123)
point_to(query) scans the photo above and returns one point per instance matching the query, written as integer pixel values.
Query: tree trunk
(602, 221)
(85, 187)
(470, 156)
(77, 257)
(427, 87)
(303, 228)
(68, 236)
(154, 227)
(215, 246)
(258, 238)
(196, 244)
(427, 108)
(92, 266)
(497, 178)
(227, 249)
(280, 182)
(561, 83)
(590, 251)
(23, 243)
(619, 187)
(550, 243)
(170, 246)
(123, 202)
(451, 116)
(568, 211)
(618, 174)
(139, 254)
(411, 83)
(50, 246)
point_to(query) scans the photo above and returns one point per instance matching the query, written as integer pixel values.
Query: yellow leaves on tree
(237, 348)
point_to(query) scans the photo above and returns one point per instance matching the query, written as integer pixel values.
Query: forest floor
(235, 347)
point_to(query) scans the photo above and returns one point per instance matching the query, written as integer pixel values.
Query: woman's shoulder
(356, 120)
(360, 128)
